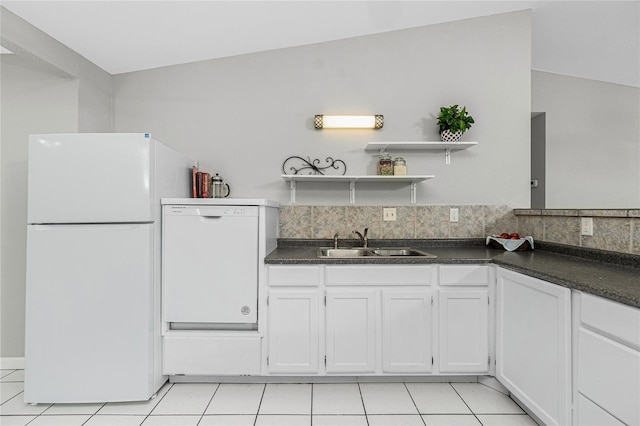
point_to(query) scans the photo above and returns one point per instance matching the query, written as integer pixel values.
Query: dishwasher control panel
(212, 211)
(237, 211)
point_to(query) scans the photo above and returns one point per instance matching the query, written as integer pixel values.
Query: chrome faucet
(335, 241)
(363, 238)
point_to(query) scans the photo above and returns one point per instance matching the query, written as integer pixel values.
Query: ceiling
(598, 40)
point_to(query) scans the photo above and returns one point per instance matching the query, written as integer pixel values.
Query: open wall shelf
(447, 147)
(411, 180)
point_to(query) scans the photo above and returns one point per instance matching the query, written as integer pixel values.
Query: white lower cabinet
(293, 319)
(351, 331)
(464, 319)
(407, 326)
(464, 330)
(359, 322)
(533, 339)
(378, 319)
(294, 334)
(607, 357)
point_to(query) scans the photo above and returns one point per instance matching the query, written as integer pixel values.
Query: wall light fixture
(349, 121)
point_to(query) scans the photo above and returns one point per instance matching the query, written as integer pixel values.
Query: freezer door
(91, 178)
(89, 330)
(210, 264)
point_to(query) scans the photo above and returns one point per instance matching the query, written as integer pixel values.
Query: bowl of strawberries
(510, 241)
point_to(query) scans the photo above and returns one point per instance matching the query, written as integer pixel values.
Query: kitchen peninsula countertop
(614, 276)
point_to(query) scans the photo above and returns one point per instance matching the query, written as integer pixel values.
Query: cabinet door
(293, 331)
(534, 344)
(406, 331)
(350, 331)
(464, 331)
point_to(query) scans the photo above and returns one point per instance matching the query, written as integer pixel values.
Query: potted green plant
(453, 122)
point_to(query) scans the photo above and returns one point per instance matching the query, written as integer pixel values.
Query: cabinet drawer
(199, 353)
(378, 275)
(608, 375)
(464, 275)
(622, 322)
(294, 276)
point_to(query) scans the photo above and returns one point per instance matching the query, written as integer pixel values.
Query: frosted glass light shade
(349, 121)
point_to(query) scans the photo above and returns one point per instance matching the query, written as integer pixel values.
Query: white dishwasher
(210, 265)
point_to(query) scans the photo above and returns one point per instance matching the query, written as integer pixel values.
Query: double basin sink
(355, 252)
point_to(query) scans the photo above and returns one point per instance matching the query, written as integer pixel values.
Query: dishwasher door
(210, 264)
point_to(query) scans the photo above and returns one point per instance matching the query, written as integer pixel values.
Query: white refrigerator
(93, 265)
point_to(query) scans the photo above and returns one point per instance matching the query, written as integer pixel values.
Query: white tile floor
(345, 404)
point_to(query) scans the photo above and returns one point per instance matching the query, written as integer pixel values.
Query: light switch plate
(389, 214)
(453, 215)
(587, 226)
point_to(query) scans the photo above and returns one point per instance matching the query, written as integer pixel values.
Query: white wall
(94, 97)
(33, 101)
(46, 88)
(243, 116)
(592, 141)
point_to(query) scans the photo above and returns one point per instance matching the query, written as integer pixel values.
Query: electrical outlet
(389, 214)
(453, 215)
(587, 226)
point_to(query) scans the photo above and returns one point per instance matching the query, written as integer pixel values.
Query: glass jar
(399, 166)
(385, 165)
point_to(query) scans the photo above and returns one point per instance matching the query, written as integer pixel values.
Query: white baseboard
(322, 379)
(12, 363)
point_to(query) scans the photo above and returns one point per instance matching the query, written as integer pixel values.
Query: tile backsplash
(613, 230)
(412, 221)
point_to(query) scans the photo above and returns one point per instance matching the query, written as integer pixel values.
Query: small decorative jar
(399, 166)
(385, 165)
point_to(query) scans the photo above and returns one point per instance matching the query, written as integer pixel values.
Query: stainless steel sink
(355, 252)
(401, 252)
(344, 252)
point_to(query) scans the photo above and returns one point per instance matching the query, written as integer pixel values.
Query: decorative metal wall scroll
(296, 165)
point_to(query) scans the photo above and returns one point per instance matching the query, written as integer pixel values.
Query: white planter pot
(448, 136)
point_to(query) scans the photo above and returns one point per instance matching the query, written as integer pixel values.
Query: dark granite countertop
(610, 275)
